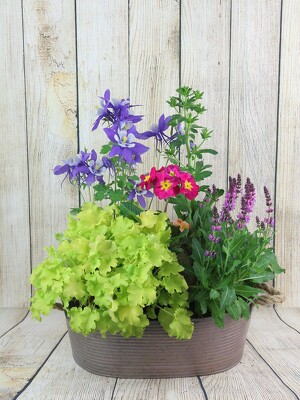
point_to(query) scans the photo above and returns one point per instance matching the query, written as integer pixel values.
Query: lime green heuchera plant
(120, 266)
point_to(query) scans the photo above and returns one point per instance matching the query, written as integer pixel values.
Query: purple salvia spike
(247, 204)
(239, 183)
(230, 202)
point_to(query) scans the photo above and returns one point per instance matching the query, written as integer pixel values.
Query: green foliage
(119, 266)
(226, 282)
(112, 273)
(188, 109)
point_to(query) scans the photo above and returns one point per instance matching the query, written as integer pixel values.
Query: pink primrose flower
(188, 186)
(165, 186)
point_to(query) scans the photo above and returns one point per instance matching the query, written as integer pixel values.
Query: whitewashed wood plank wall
(57, 56)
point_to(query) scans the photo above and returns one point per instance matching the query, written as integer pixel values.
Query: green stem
(81, 194)
(90, 193)
(187, 142)
(150, 204)
(158, 161)
(166, 205)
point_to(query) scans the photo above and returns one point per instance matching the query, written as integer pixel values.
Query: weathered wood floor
(36, 363)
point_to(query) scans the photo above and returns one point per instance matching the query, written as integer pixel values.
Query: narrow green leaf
(269, 259)
(214, 294)
(201, 274)
(232, 267)
(130, 210)
(247, 291)
(197, 251)
(227, 297)
(217, 313)
(268, 276)
(210, 151)
(202, 300)
(234, 310)
(245, 308)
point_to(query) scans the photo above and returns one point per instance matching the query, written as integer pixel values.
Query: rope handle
(270, 295)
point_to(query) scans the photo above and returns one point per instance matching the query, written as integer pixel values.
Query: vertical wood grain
(251, 379)
(159, 389)
(14, 210)
(255, 32)
(62, 378)
(288, 168)
(154, 63)
(205, 51)
(102, 48)
(141, 56)
(25, 349)
(278, 345)
(49, 34)
(10, 317)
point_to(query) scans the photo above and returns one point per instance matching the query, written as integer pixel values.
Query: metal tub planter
(156, 355)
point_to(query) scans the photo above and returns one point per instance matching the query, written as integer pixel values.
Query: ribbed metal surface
(156, 355)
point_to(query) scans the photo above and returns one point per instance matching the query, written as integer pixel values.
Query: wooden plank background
(58, 56)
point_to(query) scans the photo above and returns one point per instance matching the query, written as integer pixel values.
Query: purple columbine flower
(116, 111)
(247, 204)
(73, 166)
(158, 131)
(96, 170)
(103, 111)
(108, 164)
(123, 117)
(140, 193)
(125, 146)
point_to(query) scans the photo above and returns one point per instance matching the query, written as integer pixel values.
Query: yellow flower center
(172, 173)
(188, 185)
(124, 139)
(165, 185)
(147, 177)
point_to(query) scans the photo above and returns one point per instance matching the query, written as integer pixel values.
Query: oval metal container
(156, 355)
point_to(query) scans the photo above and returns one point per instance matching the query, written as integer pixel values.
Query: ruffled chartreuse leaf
(73, 287)
(83, 320)
(141, 294)
(168, 268)
(131, 314)
(156, 223)
(43, 303)
(174, 283)
(176, 322)
(113, 273)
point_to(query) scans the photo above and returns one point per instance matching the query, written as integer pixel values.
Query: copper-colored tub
(156, 355)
